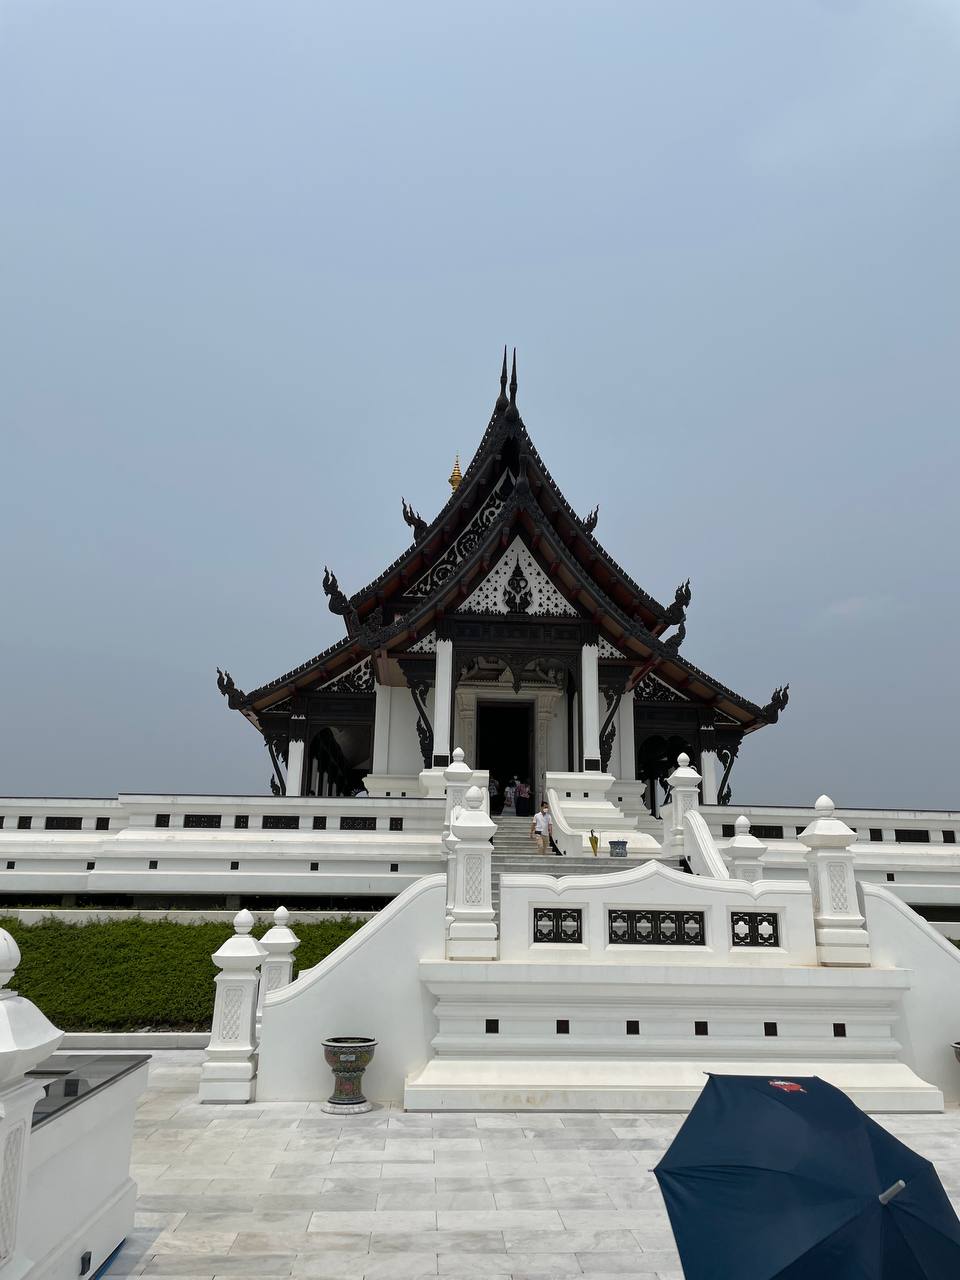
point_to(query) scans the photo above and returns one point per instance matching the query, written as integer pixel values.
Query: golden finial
(455, 476)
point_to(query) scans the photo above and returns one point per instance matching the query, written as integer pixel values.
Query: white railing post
(276, 969)
(26, 1038)
(684, 783)
(841, 936)
(229, 1071)
(745, 852)
(457, 778)
(472, 932)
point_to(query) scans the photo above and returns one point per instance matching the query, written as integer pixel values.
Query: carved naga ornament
(414, 520)
(337, 601)
(778, 700)
(590, 521)
(234, 696)
(681, 602)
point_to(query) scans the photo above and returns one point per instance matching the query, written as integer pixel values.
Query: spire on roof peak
(502, 397)
(513, 411)
(455, 475)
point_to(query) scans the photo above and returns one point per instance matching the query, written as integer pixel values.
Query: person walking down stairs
(541, 828)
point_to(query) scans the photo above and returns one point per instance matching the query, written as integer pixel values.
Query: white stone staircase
(513, 836)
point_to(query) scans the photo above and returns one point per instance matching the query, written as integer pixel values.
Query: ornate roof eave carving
(420, 619)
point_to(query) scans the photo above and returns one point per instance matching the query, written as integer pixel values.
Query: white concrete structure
(66, 1196)
(619, 990)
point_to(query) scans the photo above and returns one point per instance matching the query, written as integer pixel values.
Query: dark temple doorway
(505, 742)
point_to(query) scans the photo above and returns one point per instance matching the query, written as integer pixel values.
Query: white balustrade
(471, 929)
(229, 1069)
(276, 968)
(841, 936)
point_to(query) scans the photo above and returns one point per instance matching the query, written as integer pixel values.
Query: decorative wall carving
(516, 594)
(607, 650)
(473, 879)
(357, 679)
(541, 596)
(652, 689)
(10, 1188)
(467, 542)
(837, 876)
(230, 1017)
(426, 644)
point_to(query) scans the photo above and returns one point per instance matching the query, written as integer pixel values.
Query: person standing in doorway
(541, 828)
(509, 793)
(523, 799)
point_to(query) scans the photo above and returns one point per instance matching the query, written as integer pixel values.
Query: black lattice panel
(754, 929)
(656, 928)
(557, 924)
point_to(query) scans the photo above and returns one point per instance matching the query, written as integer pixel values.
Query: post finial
(243, 921)
(502, 397)
(742, 825)
(683, 760)
(512, 411)
(474, 798)
(281, 916)
(825, 806)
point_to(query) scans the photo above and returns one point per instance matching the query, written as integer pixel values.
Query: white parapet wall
(608, 1016)
(369, 986)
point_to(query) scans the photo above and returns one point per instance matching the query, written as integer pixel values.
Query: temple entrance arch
(505, 740)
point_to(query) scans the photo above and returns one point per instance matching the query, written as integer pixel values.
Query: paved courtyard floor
(280, 1189)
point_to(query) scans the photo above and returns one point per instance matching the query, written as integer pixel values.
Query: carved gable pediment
(517, 584)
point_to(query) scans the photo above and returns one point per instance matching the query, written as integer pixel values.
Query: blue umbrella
(786, 1179)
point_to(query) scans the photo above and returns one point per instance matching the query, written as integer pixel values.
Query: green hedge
(130, 975)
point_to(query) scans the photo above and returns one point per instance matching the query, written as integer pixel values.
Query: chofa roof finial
(512, 411)
(455, 475)
(502, 397)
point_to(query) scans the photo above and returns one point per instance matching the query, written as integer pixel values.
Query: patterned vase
(348, 1057)
(618, 848)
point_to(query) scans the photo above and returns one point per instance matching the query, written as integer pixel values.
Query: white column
(472, 931)
(229, 1069)
(295, 767)
(590, 705)
(841, 936)
(627, 738)
(276, 969)
(708, 770)
(381, 730)
(442, 696)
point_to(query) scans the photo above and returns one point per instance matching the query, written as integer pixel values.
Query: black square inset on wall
(492, 1026)
(563, 1026)
(770, 1029)
(701, 1029)
(633, 1027)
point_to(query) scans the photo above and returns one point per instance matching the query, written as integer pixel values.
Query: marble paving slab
(282, 1189)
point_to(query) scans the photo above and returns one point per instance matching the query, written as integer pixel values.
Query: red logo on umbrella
(788, 1086)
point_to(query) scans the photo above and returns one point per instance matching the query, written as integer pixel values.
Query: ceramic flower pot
(618, 848)
(348, 1057)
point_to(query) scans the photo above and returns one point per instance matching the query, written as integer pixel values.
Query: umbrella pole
(886, 1196)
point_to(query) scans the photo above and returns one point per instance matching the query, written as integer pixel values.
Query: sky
(257, 265)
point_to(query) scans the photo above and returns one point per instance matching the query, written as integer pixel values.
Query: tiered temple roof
(505, 493)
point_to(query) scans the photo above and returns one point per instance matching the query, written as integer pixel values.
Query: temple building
(504, 628)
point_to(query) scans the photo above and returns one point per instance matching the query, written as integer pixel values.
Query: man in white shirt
(541, 828)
